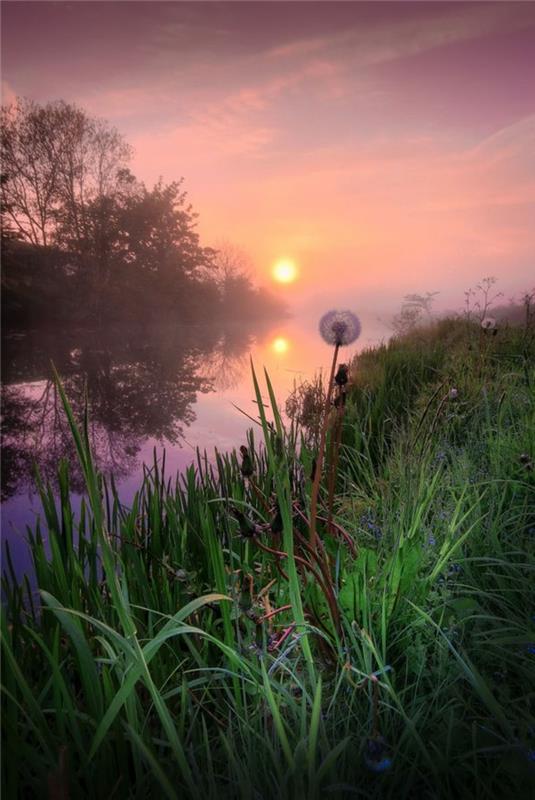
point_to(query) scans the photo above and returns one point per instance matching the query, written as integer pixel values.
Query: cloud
(383, 40)
(515, 142)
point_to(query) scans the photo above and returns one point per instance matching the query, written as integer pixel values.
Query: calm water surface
(174, 388)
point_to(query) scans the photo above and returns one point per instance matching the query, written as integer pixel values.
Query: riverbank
(197, 644)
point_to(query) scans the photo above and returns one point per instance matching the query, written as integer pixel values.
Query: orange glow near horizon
(284, 271)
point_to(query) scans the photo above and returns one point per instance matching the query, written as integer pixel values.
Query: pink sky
(386, 147)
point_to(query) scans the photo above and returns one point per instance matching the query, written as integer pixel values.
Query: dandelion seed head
(488, 324)
(340, 327)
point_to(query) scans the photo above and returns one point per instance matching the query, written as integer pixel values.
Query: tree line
(82, 236)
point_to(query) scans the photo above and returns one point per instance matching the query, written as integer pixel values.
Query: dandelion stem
(321, 451)
(335, 451)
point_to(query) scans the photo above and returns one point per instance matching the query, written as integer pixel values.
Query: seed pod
(342, 376)
(276, 525)
(247, 528)
(247, 466)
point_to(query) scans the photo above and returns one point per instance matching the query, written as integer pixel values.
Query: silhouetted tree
(7, 229)
(230, 263)
(156, 233)
(415, 309)
(57, 160)
(480, 298)
(232, 275)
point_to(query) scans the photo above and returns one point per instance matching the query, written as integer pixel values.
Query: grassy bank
(196, 644)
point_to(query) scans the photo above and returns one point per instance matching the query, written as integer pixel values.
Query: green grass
(144, 668)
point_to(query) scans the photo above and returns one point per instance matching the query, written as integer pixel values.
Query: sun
(280, 344)
(284, 271)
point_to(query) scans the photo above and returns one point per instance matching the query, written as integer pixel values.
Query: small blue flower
(376, 755)
(530, 755)
(432, 541)
(368, 521)
(531, 649)
(379, 766)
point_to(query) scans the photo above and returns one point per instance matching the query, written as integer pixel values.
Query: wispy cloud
(384, 41)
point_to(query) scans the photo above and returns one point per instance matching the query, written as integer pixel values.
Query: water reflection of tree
(227, 362)
(35, 433)
(142, 384)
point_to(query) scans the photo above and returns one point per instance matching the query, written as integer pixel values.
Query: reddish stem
(283, 637)
(321, 452)
(333, 469)
(343, 533)
(326, 589)
(272, 614)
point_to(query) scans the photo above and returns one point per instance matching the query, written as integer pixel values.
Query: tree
(232, 275)
(29, 190)
(414, 310)
(480, 299)
(231, 264)
(92, 172)
(57, 160)
(156, 233)
(6, 224)
(103, 225)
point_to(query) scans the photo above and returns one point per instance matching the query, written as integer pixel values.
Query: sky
(385, 148)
